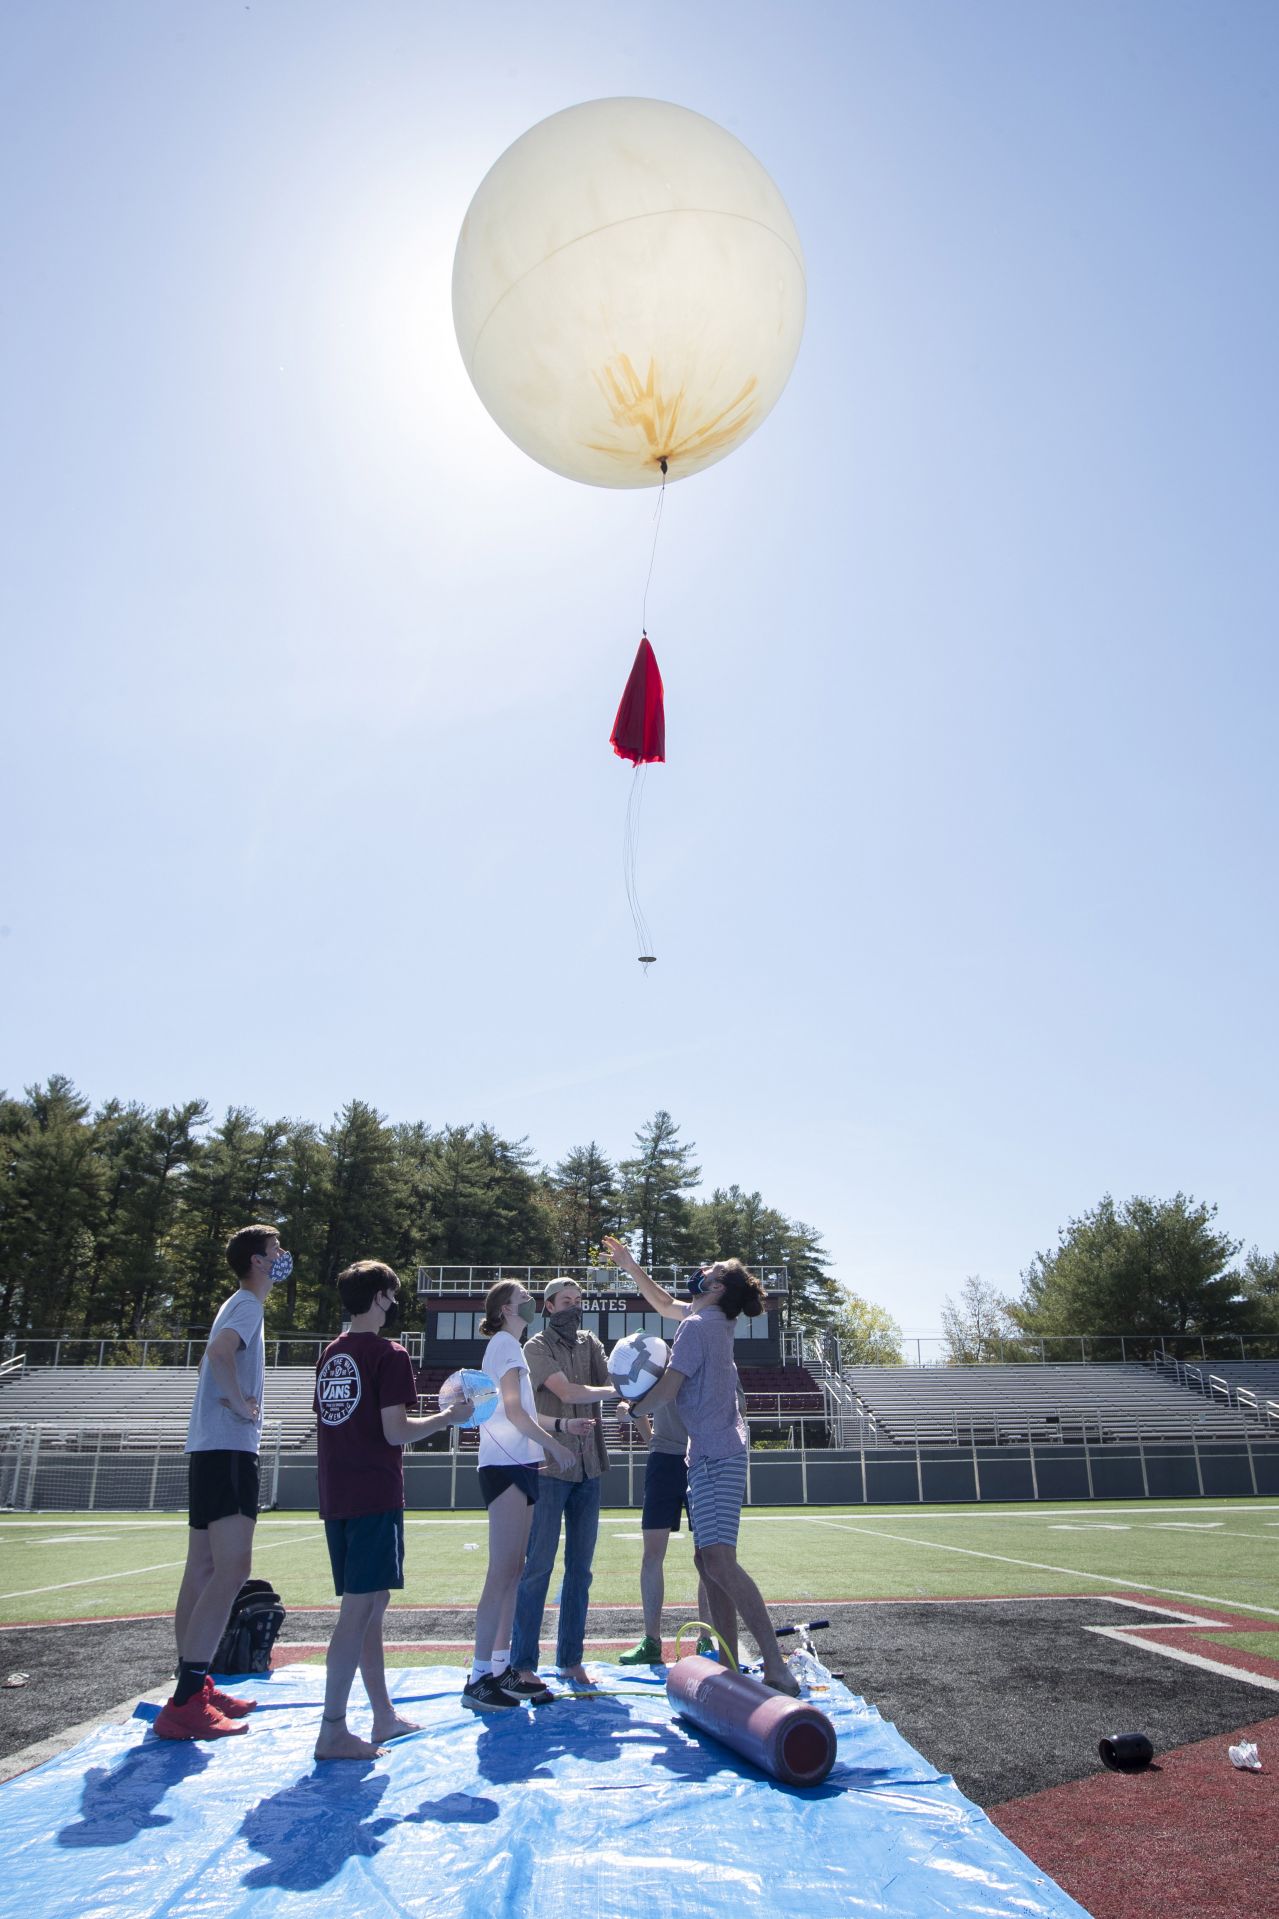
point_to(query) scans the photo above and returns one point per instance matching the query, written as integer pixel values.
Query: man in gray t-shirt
(215, 1424)
(223, 1437)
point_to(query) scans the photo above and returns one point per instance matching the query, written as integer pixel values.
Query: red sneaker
(196, 1720)
(226, 1702)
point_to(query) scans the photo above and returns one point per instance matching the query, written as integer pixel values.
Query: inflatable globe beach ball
(477, 1387)
(628, 292)
(636, 1363)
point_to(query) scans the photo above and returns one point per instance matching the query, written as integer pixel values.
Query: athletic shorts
(494, 1481)
(716, 1489)
(219, 1485)
(665, 1492)
(366, 1554)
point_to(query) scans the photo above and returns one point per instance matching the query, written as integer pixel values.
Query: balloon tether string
(657, 527)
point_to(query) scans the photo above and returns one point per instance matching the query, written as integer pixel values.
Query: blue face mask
(696, 1284)
(281, 1267)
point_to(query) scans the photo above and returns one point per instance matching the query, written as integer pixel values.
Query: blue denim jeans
(577, 1502)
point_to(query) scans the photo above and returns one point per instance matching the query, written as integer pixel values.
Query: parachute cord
(657, 527)
(630, 861)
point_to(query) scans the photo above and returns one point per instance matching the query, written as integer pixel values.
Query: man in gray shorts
(223, 1438)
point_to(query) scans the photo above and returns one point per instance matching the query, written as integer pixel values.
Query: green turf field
(96, 1566)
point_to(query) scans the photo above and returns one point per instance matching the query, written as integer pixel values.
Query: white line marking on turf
(136, 1572)
(1035, 1565)
(78, 1539)
(1173, 1615)
(1127, 1636)
(1045, 1511)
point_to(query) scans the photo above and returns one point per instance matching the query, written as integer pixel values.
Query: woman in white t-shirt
(512, 1448)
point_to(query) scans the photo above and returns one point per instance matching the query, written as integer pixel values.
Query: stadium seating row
(991, 1405)
(145, 1396)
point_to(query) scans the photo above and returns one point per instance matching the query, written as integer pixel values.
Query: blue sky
(961, 869)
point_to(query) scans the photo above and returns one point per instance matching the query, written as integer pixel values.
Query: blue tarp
(608, 1806)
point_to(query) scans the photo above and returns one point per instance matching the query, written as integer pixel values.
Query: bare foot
(529, 1678)
(335, 1742)
(575, 1675)
(782, 1679)
(394, 1727)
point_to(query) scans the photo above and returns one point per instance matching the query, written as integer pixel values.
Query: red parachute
(639, 731)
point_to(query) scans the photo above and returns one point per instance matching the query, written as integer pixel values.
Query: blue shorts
(494, 1481)
(665, 1492)
(716, 1489)
(367, 1554)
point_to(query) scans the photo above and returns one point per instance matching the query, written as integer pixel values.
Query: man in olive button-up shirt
(570, 1376)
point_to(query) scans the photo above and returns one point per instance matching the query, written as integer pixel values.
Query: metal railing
(287, 1349)
(1063, 1349)
(472, 1282)
(807, 1445)
(1064, 1426)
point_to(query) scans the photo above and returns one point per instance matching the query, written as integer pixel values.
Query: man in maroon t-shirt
(366, 1404)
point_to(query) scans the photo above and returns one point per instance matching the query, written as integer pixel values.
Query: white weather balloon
(628, 288)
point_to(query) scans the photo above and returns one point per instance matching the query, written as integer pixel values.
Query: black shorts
(665, 1492)
(366, 1554)
(219, 1485)
(494, 1481)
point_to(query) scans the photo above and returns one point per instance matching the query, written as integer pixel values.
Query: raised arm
(657, 1296)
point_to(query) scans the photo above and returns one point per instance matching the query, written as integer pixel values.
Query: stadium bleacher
(145, 1397)
(994, 1405)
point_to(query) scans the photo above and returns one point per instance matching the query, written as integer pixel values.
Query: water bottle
(809, 1671)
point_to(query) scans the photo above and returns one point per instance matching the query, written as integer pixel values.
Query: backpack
(256, 1618)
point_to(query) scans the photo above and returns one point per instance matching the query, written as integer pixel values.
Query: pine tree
(653, 1184)
(584, 1196)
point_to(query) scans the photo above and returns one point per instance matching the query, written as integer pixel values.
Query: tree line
(1141, 1268)
(113, 1220)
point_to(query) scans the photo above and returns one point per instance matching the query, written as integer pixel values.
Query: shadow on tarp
(118, 1802)
(308, 1832)
(608, 1805)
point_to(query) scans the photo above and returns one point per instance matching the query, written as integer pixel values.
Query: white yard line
(626, 1517)
(135, 1572)
(1129, 1636)
(1173, 1616)
(1036, 1565)
(1098, 1511)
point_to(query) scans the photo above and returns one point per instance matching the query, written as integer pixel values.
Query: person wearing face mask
(513, 1447)
(701, 1379)
(224, 1436)
(569, 1370)
(366, 1413)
